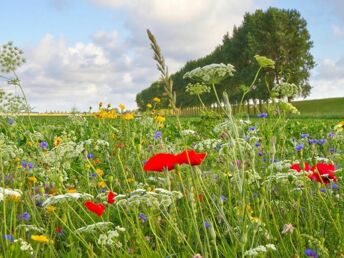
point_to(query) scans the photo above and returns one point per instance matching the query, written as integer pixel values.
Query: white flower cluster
(24, 246)
(8, 149)
(188, 132)
(99, 226)
(30, 228)
(286, 89)
(158, 199)
(110, 238)
(9, 193)
(207, 144)
(65, 197)
(259, 250)
(288, 108)
(280, 165)
(78, 120)
(211, 74)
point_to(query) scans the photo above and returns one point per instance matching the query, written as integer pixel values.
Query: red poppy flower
(58, 230)
(111, 197)
(323, 172)
(161, 161)
(298, 168)
(97, 208)
(190, 157)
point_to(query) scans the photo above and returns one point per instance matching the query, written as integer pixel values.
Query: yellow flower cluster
(103, 113)
(339, 127)
(57, 141)
(160, 120)
(128, 116)
(41, 239)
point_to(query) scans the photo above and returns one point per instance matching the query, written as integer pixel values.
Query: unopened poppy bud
(110, 179)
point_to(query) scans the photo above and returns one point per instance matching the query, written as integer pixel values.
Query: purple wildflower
(321, 141)
(10, 121)
(260, 153)
(25, 216)
(304, 135)
(44, 145)
(313, 141)
(90, 156)
(311, 253)
(332, 150)
(8, 237)
(251, 128)
(24, 164)
(143, 217)
(331, 134)
(206, 224)
(157, 135)
(299, 147)
(262, 115)
(258, 144)
(223, 198)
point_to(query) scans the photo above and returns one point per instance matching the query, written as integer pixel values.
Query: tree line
(278, 34)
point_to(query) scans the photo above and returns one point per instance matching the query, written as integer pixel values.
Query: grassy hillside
(321, 107)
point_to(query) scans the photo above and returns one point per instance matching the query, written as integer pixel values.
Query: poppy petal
(97, 208)
(190, 157)
(161, 161)
(111, 197)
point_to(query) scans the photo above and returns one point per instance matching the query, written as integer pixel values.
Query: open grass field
(321, 107)
(224, 187)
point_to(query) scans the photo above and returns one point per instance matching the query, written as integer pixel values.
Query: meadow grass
(242, 201)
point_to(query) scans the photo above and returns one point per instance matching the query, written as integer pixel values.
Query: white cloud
(114, 66)
(328, 79)
(337, 31)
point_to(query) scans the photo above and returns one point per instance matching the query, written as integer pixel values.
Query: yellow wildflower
(71, 190)
(29, 143)
(57, 141)
(101, 184)
(130, 180)
(121, 107)
(128, 116)
(160, 119)
(41, 239)
(87, 166)
(99, 172)
(149, 105)
(156, 100)
(32, 179)
(50, 208)
(339, 127)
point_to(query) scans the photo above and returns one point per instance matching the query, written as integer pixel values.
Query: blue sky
(80, 52)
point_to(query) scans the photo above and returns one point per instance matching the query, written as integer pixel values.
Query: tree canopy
(278, 34)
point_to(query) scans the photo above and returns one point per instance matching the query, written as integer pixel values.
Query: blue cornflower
(260, 153)
(311, 253)
(157, 135)
(313, 141)
(8, 237)
(262, 115)
(206, 224)
(30, 165)
(332, 150)
(93, 174)
(10, 121)
(299, 147)
(24, 164)
(25, 216)
(223, 198)
(90, 155)
(333, 186)
(251, 128)
(321, 141)
(331, 134)
(304, 135)
(143, 217)
(258, 144)
(44, 145)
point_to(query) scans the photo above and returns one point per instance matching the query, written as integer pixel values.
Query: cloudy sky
(80, 52)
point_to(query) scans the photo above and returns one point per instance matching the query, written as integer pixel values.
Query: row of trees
(279, 34)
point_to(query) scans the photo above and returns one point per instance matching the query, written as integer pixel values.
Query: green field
(321, 107)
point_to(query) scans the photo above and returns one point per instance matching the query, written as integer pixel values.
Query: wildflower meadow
(115, 182)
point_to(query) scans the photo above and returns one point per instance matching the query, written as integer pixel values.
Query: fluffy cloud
(337, 31)
(328, 79)
(115, 65)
